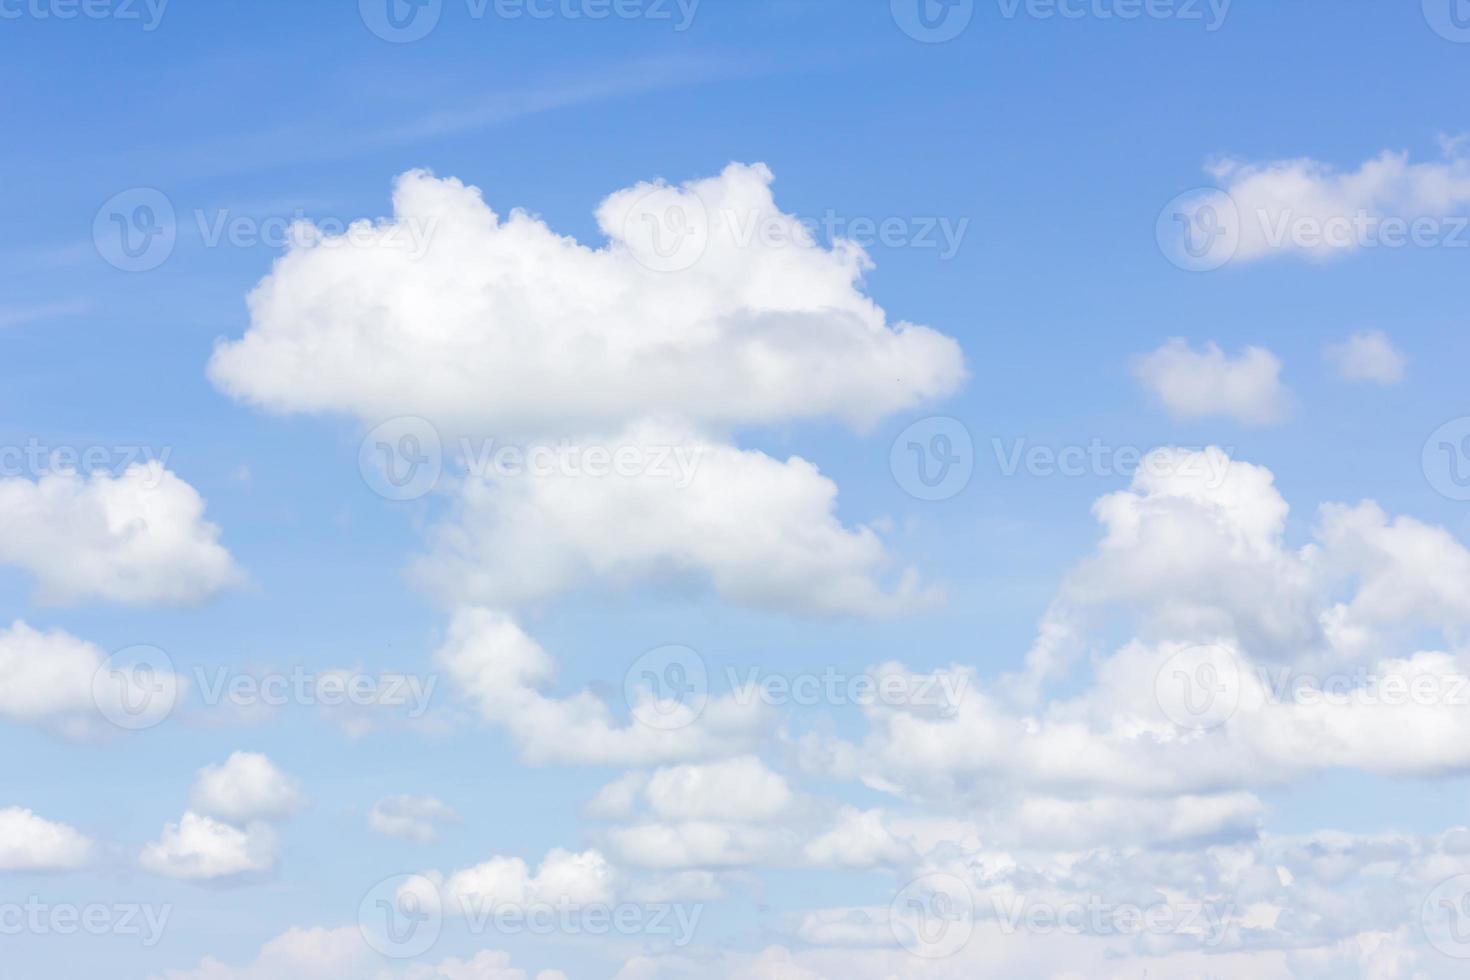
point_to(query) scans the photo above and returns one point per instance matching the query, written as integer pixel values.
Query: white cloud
(199, 847)
(139, 538)
(342, 954)
(735, 789)
(30, 843)
(47, 679)
(244, 788)
(502, 670)
(758, 530)
(502, 325)
(1307, 207)
(415, 818)
(1368, 356)
(1208, 383)
(562, 878)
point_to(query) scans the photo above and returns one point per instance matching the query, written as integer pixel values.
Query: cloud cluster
(138, 538)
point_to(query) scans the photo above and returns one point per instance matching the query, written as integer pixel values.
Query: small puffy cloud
(202, 848)
(1208, 383)
(246, 787)
(1368, 356)
(735, 789)
(562, 878)
(758, 530)
(499, 324)
(503, 672)
(31, 843)
(415, 818)
(51, 679)
(139, 538)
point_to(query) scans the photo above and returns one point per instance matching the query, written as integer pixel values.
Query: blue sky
(1046, 147)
